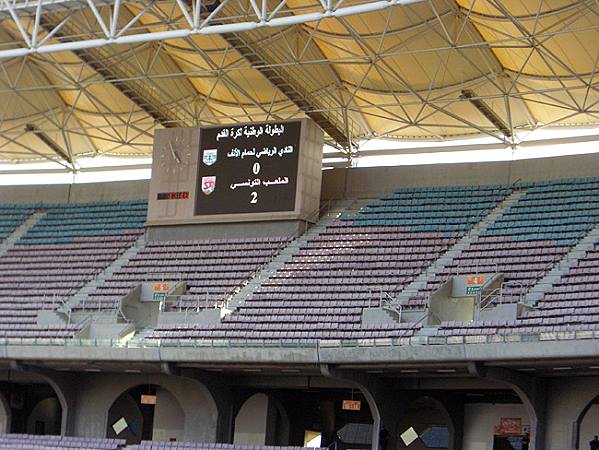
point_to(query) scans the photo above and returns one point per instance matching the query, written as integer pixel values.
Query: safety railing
(322, 210)
(488, 298)
(405, 340)
(385, 301)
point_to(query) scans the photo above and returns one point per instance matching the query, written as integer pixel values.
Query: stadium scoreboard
(241, 172)
(248, 169)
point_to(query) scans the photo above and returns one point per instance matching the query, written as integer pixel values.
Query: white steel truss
(116, 32)
(398, 70)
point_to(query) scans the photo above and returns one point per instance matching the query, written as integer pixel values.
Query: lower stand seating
(46, 442)
(154, 445)
(213, 269)
(528, 238)
(70, 245)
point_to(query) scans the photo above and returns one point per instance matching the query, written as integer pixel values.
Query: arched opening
(587, 424)
(30, 407)
(495, 419)
(309, 417)
(146, 412)
(425, 424)
(45, 417)
(261, 420)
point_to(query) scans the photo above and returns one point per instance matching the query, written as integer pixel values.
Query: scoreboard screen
(243, 172)
(250, 168)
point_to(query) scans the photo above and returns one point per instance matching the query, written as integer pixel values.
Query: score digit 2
(254, 197)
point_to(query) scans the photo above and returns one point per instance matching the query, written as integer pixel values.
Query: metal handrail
(386, 301)
(418, 322)
(486, 301)
(323, 209)
(220, 301)
(165, 276)
(513, 185)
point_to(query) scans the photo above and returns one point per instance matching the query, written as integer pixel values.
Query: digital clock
(172, 196)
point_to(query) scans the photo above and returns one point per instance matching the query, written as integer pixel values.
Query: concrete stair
(380, 315)
(81, 296)
(285, 255)
(138, 338)
(561, 267)
(428, 330)
(421, 280)
(11, 240)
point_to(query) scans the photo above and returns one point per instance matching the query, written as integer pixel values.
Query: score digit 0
(254, 194)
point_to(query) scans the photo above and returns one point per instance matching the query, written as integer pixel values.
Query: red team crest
(208, 185)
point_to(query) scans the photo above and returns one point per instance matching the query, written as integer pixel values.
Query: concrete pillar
(369, 386)
(219, 388)
(98, 392)
(454, 405)
(531, 390)
(5, 415)
(327, 419)
(65, 387)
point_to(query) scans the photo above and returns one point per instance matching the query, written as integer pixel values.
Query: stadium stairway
(420, 282)
(561, 267)
(10, 241)
(138, 338)
(79, 298)
(291, 249)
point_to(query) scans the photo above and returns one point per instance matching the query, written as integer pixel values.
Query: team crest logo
(208, 185)
(209, 156)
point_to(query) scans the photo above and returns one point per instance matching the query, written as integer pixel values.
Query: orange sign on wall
(161, 287)
(509, 426)
(351, 405)
(475, 280)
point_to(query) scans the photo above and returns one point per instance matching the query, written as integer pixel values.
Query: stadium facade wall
(226, 230)
(340, 183)
(75, 193)
(374, 181)
(91, 396)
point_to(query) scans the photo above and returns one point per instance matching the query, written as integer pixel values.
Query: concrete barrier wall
(372, 181)
(75, 193)
(339, 183)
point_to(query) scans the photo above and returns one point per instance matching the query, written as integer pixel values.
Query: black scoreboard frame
(179, 191)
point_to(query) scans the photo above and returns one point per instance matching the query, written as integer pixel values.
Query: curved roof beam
(534, 16)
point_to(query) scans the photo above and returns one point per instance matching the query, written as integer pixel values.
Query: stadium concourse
(450, 306)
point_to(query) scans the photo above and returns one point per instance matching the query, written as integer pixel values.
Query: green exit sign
(472, 290)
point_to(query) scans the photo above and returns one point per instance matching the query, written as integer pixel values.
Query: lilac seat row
(155, 445)
(60, 254)
(48, 442)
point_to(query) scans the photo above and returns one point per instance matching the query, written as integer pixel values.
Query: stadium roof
(85, 77)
